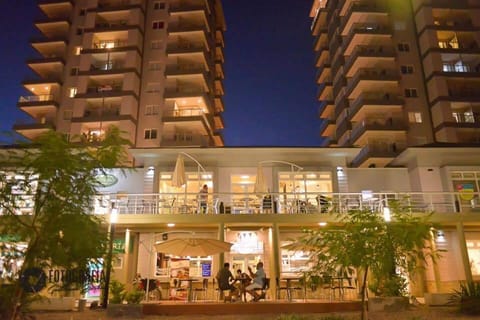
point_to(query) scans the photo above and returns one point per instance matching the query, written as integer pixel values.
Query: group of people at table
(242, 283)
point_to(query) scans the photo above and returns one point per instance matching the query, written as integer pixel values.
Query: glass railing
(290, 203)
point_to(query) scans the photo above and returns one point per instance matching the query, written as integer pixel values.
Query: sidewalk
(420, 313)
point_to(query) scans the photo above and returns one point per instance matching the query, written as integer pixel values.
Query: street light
(108, 264)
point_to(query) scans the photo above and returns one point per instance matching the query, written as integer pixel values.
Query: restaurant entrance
(243, 261)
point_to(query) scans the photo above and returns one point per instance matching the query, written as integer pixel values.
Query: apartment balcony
(377, 127)
(49, 47)
(182, 92)
(185, 69)
(174, 28)
(219, 88)
(459, 24)
(322, 57)
(185, 139)
(38, 104)
(319, 22)
(359, 12)
(117, 5)
(112, 46)
(186, 6)
(321, 40)
(326, 108)
(56, 8)
(176, 49)
(368, 56)
(361, 33)
(43, 86)
(327, 128)
(113, 26)
(47, 66)
(324, 90)
(219, 55)
(340, 83)
(461, 94)
(111, 67)
(189, 119)
(344, 126)
(32, 130)
(218, 140)
(323, 73)
(53, 27)
(219, 38)
(219, 124)
(105, 91)
(368, 103)
(103, 115)
(370, 79)
(377, 155)
(218, 103)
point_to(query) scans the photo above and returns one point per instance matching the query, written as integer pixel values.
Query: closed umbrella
(193, 246)
(260, 186)
(179, 177)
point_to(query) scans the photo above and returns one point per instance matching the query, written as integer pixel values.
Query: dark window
(159, 5)
(158, 24)
(403, 47)
(411, 93)
(406, 69)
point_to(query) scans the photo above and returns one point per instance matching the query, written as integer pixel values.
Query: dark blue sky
(269, 70)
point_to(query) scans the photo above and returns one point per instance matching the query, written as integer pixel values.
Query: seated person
(243, 280)
(225, 280)
(257, 283)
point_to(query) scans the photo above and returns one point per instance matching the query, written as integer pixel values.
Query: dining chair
(201, 290)
(281, 288)
(264, 289)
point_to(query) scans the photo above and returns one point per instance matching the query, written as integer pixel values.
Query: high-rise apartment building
(397, 73)
(152, 68)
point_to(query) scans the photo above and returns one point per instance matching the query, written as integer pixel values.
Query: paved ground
(417, 313)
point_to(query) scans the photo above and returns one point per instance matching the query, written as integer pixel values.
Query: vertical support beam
(274, 235)
(462, 243)
(221, 237)
(436, 271)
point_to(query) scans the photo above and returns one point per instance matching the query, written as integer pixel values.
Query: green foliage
(57, 180)
(363, 240)
(467, 298)
(310, 317)
(393, 286)
(117, 292)
(134, 296)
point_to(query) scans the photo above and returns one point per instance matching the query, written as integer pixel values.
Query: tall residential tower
(397, 73)
(152, 68)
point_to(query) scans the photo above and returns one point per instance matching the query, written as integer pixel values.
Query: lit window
(72, 92)
(156, 25)
(411, 93)
(78, 50)
(415, 117)
(150, 134)
(151, 109)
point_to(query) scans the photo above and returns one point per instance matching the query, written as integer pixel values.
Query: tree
(376, 248)
(57, 180)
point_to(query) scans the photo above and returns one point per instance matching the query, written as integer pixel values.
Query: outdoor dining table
(190, 287)
(289, 286)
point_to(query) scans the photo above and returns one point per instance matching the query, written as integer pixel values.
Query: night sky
(269, 70)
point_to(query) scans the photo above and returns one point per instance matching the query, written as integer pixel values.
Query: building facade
(152, 68)
(394, 74)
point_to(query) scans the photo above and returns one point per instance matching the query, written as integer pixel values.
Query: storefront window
(188, 193)
(294, 261)
(473, 248)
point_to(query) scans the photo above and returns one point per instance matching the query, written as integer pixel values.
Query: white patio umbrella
(179, 176)
(260, 186)
(193, 246)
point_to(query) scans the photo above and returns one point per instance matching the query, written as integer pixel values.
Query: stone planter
(131, 311)
(437, 299)
(387, 304)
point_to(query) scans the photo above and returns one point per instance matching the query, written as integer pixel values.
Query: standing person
(202, 198)
(257, 283)
(225, 280)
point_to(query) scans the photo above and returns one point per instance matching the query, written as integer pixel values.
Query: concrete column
(275, 266)
(221, 237)
(462, 243)
(436, 271)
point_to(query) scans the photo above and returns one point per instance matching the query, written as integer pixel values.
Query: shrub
(117, 290)
(467, 298)
(134, 296)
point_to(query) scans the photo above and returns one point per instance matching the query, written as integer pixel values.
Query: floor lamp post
(108, 264)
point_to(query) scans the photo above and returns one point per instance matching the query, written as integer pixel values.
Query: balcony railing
(283, 203)
(39, 98)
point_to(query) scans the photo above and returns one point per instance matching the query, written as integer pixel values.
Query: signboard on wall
(466, 190)
(206, 270)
